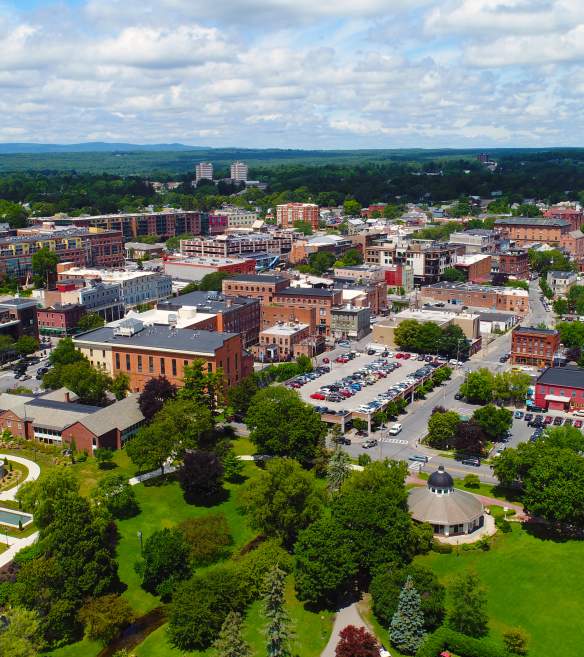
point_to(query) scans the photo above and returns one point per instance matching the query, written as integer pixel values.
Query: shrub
(207, 537)
(503, 525)
(471, 481)
(441, 548)
(515, 641)
(165, 557)
(105, 617)
(463, 646)
(364, 459)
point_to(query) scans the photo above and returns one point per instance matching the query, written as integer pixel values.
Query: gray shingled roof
(451, 509)
(566, 377)
(531, 221)
(121, 415)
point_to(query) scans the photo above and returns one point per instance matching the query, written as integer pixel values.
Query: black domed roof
(440, 479)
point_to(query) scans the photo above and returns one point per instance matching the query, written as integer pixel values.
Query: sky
(316, 74)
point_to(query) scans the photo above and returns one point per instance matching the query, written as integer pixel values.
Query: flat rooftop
(206, 261)
(472, 287)
(109, 275)
(258, 278)
(468, 260)
(438, 316)
(285, 329)
(306, 292)
(529, 330)
(159, 338)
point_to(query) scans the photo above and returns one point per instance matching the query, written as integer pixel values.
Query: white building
(237, 218)
(203, 171)
(136, 287)
(239, 171)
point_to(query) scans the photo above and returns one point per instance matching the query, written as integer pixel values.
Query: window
(128, 362)
(117, 361)
(150, 363)
(162, 366)
(139, 363)
(210, 367)
(174, 367)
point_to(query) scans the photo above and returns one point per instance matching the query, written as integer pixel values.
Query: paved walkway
(345, 616)
(33, 473)
(16, 544)
(168, 469)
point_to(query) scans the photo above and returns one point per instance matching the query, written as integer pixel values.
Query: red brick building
(573, 216)
(257, 286)
(273, 313)
(476, 267)
(60, 319)
(308, 297)
(524, 230)
(194, 269)
(144, 352)
(56, 418)
(534, 346)
(514, 262)
(287, 214)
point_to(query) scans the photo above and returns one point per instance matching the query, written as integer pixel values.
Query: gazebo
(450, 511)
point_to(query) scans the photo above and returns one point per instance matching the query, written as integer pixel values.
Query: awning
(557, 398)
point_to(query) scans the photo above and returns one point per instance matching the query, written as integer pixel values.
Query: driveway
(345, 616)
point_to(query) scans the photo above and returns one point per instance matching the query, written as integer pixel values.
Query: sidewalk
(33, 473)
(345, 616)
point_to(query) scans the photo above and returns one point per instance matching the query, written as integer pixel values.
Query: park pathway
(345, 616)
(33, 473)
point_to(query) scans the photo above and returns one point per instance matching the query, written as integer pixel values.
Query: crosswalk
(396, 441)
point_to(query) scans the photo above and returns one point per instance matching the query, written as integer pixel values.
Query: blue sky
(294, 73)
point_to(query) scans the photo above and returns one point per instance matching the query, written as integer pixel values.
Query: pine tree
(338, 469)
(230, 642)
(407, 625)
(278, 630)
(232, 466)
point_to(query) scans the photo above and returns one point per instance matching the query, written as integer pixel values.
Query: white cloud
(296, 74)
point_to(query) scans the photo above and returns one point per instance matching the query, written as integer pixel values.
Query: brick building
(225, 314)
(534, 346)
(514, 262)
(287, 214)
(194, 269)
(272, 313)
(257, 286)
(18, 317)
(165, 224)
(524, 230)
(503, 299)
(60, 319)
(573, 243)
(573, 216)
(560, 389)
(278, 342)
(349, 322)
(476, 267)
(56, 418)
(397, 276)
(82, 247)
(237, 246)
(146, 352)
(304, 297)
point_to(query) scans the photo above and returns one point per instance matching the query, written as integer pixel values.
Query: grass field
(532, 583)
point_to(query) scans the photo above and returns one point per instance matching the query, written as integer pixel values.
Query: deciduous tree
(356, 642)
(467, 611)
(201, 476)
(155, 393)
(105, 617)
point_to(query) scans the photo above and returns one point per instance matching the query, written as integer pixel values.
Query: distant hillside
(89, 147)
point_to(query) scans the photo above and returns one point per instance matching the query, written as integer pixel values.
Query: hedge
(462, 645)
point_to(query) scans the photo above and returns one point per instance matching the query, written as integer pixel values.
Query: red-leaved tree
(356, 642)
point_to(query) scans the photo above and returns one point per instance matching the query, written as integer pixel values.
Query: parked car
(528, 417)
(318, 395)
(577, 424)
(399, 355)
(474, 461)
(518, 415)
(395, 429)
(548, 419)
(558, 421)
(568, 422)
(367, 444)
(342, 359)
(326, 360)
(458, 396)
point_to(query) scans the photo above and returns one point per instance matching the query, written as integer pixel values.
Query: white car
(395, 429)
(383, 652)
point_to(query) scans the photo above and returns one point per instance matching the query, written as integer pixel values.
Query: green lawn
(162, 505)
(243, 446)
(311, 632)
(531, 583)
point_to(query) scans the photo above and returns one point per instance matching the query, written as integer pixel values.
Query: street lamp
(140, 539)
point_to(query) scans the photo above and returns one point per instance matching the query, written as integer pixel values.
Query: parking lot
(368, 393)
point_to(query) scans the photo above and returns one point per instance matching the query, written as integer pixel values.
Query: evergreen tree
(468, 606)
(278, 630)
(232, 466)
(338, 469)
(407, 625)
(230, 642)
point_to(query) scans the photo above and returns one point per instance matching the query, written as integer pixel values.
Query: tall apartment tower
(204, 170)
(239, 171)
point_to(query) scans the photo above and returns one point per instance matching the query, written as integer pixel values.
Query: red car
(317, 395)
(399, 355)
(577, 424)
(345, 393)
(548, 419)
(325, 360)
(342, 359)
(406, 356)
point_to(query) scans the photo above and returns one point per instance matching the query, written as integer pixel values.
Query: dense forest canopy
(326, 178)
